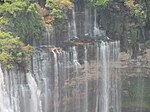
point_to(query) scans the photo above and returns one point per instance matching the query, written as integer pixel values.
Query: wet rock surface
(134, 110)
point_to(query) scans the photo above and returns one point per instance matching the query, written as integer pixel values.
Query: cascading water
(86, 81)
(56, 81)
(46, 94)
(97, 77)
(87, 23)
(139, 92)
(74, 24)
(59, 81)
(115, 78)
(108, 78)
(76, 65)
(96, 29)
(25, 105)
(35, 105)
(4, 99)
(65, 85)
(105, 55)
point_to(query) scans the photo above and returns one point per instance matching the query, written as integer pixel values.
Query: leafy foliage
(59, 4)
(136, 10)
(58, 7)
(13, 51)
(98, 3)
(4, 23)
(20, 23)
(11, 8)
(57, 10)
(129, 3)
(24, 17)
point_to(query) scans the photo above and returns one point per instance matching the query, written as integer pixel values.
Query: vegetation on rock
(58, 7)
(127, 21)
(22, 19)
(98, 3)
(21, 22)
(13, 51)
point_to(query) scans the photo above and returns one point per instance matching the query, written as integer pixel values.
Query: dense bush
(22, 19)
(20, 23)
(13, 51)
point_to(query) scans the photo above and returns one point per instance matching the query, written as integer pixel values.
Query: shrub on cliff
(13, 51)
(23, 20)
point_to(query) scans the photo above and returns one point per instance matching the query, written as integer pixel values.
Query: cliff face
(85, 24)
(115, 21)
(72, 69)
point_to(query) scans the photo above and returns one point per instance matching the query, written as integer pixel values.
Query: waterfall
(105, 55)
(139, 92)
(4, 98)
(59, 83)
(56, 81)
(96, 29)
(25, 99)
(97, 76)
(116, 78)
(74, 24)
(45, 95)
(84, 77)
(87, 23)
(76, 65)
(35, 105)
(95, 18)
(108, 78)
(76, 71)
(69, 30)
(86, 81)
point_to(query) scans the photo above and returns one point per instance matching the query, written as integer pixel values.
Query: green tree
(136, 10)
(58, 7)
(98, 3)
(13, 51)
(22, 20)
